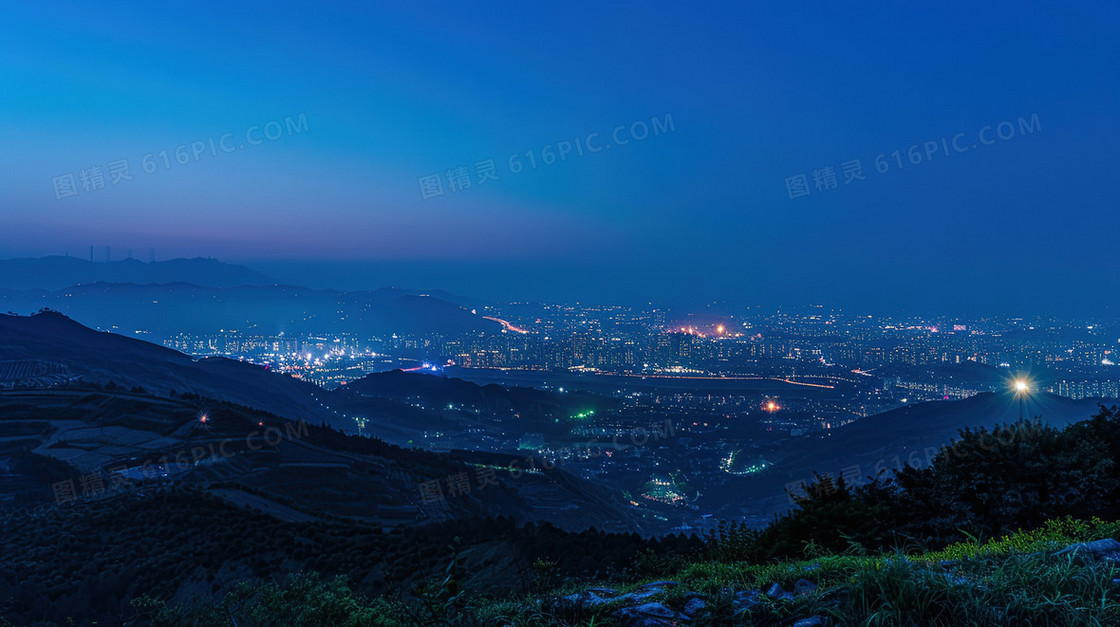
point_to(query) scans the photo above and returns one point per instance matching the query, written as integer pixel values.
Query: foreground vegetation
(1014, 579)
(88, 559)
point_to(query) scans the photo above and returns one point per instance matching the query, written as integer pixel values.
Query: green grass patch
(1053, 535)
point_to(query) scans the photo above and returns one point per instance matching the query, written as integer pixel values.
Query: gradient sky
(756, 92)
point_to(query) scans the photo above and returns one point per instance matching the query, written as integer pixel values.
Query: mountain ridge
(168, 309)
(58, 272)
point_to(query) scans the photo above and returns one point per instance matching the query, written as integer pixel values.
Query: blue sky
(756, 93)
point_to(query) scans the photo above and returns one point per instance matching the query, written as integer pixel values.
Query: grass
(1014, 579)
(1053, 535)
(1032, 589)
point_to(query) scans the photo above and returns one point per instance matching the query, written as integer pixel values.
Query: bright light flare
(1021, 386)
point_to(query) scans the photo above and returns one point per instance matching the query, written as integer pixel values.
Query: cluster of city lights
(727, 465)
(718, 331)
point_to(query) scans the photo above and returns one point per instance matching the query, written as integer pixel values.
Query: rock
(593, 598)
(639, 596)
(804, 586)
(649, 615)
(644, 593)
(581, 600)
(745, 601)
(572, 600)
(812, 621)
(694, 606)
(1107, 549)
(775, 592)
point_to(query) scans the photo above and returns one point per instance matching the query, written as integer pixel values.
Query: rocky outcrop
(666, 604)
(647, 605)
(1097, 550)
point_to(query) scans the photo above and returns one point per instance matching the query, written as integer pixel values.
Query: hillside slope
(78, 352)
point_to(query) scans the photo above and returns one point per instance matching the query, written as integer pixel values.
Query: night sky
(748, 97)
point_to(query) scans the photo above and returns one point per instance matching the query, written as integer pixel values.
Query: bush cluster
(985, 484)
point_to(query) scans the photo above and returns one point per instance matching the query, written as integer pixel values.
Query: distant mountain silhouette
(52, 273)
(165, 310)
